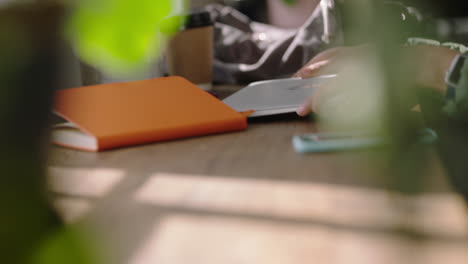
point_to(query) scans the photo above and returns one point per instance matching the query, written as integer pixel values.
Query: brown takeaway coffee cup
(190, 51)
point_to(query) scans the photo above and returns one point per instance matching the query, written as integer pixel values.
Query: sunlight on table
(435, 214)
(90, 183)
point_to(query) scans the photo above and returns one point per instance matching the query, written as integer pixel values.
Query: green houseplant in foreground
(118, 36)
(121, 37)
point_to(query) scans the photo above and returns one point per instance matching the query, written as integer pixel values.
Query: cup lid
(199, 19)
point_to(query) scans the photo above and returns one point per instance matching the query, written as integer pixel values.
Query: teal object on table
(341, 141)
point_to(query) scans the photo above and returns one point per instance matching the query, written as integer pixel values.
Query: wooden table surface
(247, 197)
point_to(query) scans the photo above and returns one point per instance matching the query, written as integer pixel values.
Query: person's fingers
(305, 108)
(327, 55)
(320, 97)
(316, 99)
(312, 70)
(323, 56)
(311, 104)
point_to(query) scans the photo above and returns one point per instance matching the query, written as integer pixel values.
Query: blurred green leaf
(120, 36)
(67, 245)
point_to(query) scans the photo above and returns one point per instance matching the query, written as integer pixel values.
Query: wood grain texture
(247, 197)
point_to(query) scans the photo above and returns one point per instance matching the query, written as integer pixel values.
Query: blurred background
(441, 21)
(169, 217)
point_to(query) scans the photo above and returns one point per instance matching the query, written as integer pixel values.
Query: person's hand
(320, 64)
(427, 63)
(330, 61)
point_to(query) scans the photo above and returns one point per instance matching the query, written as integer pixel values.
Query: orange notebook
(122, 114)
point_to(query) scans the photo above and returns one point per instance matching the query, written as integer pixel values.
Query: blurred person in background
(438, 77)
(443, 22)
(247, 51)
(432, 64)
(293, 33)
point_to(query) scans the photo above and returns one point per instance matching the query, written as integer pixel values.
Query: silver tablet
(272, 97)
